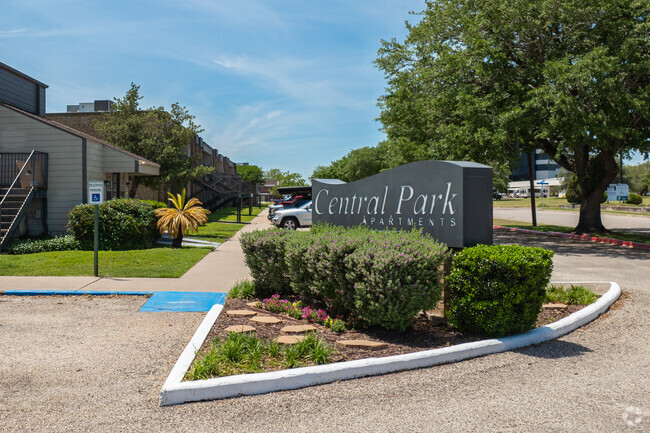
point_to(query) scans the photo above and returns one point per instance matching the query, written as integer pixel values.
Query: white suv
(293, 218)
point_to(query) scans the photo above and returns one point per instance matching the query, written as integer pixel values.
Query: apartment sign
(451, 200)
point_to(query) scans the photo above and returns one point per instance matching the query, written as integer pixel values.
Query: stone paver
(239, 329)
(241, 313)
(363, 344)
(266, 320)
(298, 329)
(252, 304)
(554, 306)
(290, 339)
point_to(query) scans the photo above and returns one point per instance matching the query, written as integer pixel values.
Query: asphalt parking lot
(96, 364)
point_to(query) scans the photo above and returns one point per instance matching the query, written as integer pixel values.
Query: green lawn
(230, 214)
(554, 202)
(221, 224)
(153, 263)
(634, 237)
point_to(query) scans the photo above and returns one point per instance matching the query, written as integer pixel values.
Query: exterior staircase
(12, 211)
(23, 177)
(219, 191)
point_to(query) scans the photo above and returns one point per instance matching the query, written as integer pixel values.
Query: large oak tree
(481, 79)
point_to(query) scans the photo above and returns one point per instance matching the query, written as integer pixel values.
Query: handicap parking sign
(96, 192)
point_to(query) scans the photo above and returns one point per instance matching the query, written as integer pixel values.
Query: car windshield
(308, 204)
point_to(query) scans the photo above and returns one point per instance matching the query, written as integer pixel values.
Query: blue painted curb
(159, 301)
(72, 293)
(183, 301)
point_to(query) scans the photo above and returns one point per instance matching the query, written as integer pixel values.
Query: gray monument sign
(451, 200)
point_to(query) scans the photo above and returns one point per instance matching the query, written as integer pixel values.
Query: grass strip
(632, 237)
(554, 203)
(230, 214)
(222, 224)
(151, 263)
(574, 295)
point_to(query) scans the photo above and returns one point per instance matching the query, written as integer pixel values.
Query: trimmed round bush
(498, 290)
(634, 199)
(318, 270)
(395, 275)
(124, 224)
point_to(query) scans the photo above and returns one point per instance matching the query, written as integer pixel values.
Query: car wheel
(289, 223)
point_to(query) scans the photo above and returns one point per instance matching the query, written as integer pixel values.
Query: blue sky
(281, 84)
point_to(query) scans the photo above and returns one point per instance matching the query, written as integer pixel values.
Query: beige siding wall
(19, 133)
(114, 161)
(94, 154)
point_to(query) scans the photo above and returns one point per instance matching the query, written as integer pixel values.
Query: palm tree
(182, 218)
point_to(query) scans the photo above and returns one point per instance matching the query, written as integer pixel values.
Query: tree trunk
(178, 240)
(590, 221)
(135, 182)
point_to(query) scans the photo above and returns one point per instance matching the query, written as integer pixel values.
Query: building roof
(79, 134)
(20, 74)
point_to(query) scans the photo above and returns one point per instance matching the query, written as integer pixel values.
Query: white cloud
(313, 82)
(12, 32)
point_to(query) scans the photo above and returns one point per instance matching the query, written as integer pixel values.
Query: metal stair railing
(32, 185)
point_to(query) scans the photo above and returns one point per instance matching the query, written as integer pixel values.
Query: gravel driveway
(97, 364)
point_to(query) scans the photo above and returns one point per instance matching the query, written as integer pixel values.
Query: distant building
(544, 167)
(100, 106)
(48, 163)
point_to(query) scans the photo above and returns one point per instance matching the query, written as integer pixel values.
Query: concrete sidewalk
(216, 272)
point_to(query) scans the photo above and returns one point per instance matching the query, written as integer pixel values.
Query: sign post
(95, 198)
(543, 183)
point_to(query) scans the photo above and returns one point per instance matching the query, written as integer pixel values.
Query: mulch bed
(425, 334)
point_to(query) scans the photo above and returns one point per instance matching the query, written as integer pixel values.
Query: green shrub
(264, 256)
(156, 204)
(498, 290)
(29, 246)
(634, 199)
(317, 269)
(124, 224)
(380, 278)
(394, 276)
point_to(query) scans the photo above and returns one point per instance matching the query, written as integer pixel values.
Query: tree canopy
(638, 177)
(357, 164)
(157, 135)
(480, 79)
(283, 178)
(250, 173)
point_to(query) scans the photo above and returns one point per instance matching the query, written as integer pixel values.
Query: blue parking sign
(96, 192)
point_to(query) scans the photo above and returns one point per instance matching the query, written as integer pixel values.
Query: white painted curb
(174, 391)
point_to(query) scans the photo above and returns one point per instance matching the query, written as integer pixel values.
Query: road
(569, 218)
(65, 369)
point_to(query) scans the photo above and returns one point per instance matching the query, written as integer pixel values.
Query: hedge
(30, 246)
(498, 290)
(382, 278)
